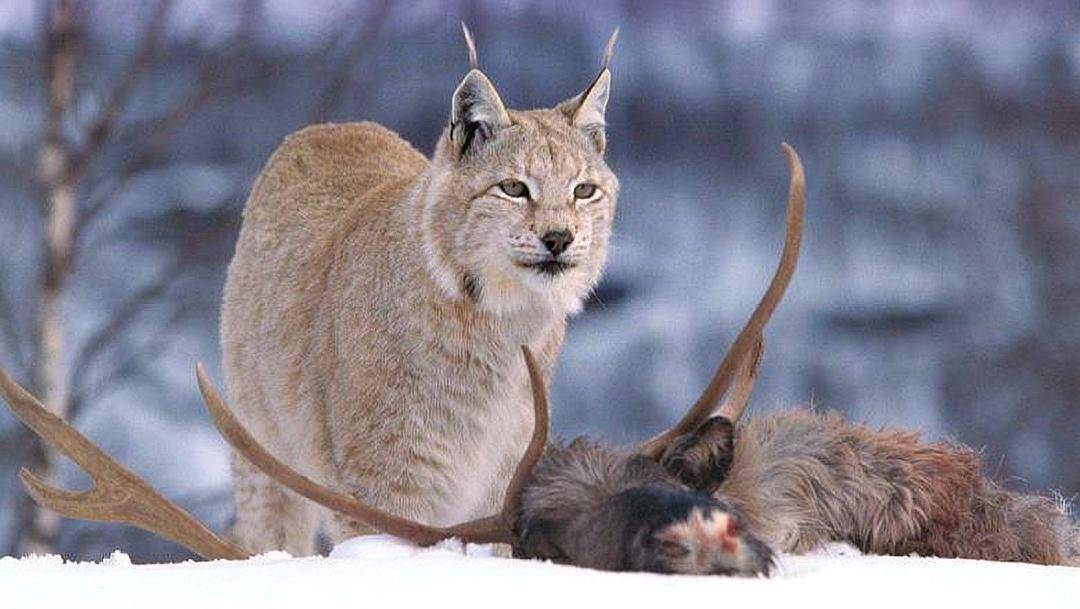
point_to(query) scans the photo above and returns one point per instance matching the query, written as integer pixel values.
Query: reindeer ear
(702, 458)
(476, 113)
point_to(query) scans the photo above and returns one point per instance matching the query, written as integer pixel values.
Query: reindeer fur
(593, 506)
(801, 478)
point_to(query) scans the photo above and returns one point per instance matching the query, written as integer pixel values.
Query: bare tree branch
(61, 35)
(61, 173)
(101, 127)
(134, 361)
(191, 235)
(9, 327)
(154, 136)
(341, 75)
(118, 324)
(61, 31)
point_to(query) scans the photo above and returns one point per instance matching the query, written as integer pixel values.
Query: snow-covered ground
(379, 571)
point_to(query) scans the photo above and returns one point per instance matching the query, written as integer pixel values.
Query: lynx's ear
(476, 113)
(586, 111)
(589, 114)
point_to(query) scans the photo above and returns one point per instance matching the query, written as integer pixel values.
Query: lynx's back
(324, 184)
(323, 171)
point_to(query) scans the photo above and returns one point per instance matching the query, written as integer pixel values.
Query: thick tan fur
(376, 305)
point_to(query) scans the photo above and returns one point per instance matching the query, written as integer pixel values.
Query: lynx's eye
(584, 190)
(514, 188)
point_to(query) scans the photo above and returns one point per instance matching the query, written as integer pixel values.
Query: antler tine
(118, 495)
(70, 504)
(492, 529)
(750, 336)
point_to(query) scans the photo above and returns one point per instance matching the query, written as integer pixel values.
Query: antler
(118, 495)
(739, 397)
(744, 355)
(492, 529)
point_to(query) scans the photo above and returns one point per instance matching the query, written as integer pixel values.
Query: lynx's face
(521, 202)
(530, 215)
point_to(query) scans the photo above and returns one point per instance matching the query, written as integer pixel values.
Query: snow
(380, 571)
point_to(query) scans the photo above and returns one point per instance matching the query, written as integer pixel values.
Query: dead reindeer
(800, 479)
(705, 497)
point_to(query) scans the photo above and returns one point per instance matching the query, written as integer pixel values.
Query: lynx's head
(519, 208)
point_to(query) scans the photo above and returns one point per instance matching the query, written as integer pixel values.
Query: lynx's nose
(557, 241)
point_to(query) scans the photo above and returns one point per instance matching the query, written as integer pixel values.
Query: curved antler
(739, 396)
(118, 495)
(741, 357)
(498, 528)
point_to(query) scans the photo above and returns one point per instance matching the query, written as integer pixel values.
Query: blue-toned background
(940, 282)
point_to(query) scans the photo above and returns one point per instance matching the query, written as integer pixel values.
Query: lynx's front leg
(374, 491)
(269, 517)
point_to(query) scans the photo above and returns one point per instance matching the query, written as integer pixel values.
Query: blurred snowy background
(940, 282)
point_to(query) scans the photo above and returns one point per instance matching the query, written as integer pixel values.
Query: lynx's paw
(701, 458)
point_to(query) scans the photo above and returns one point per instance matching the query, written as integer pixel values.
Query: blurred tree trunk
(83, 165)
(57, 181)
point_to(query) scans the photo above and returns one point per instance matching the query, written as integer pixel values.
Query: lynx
(377, 301)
